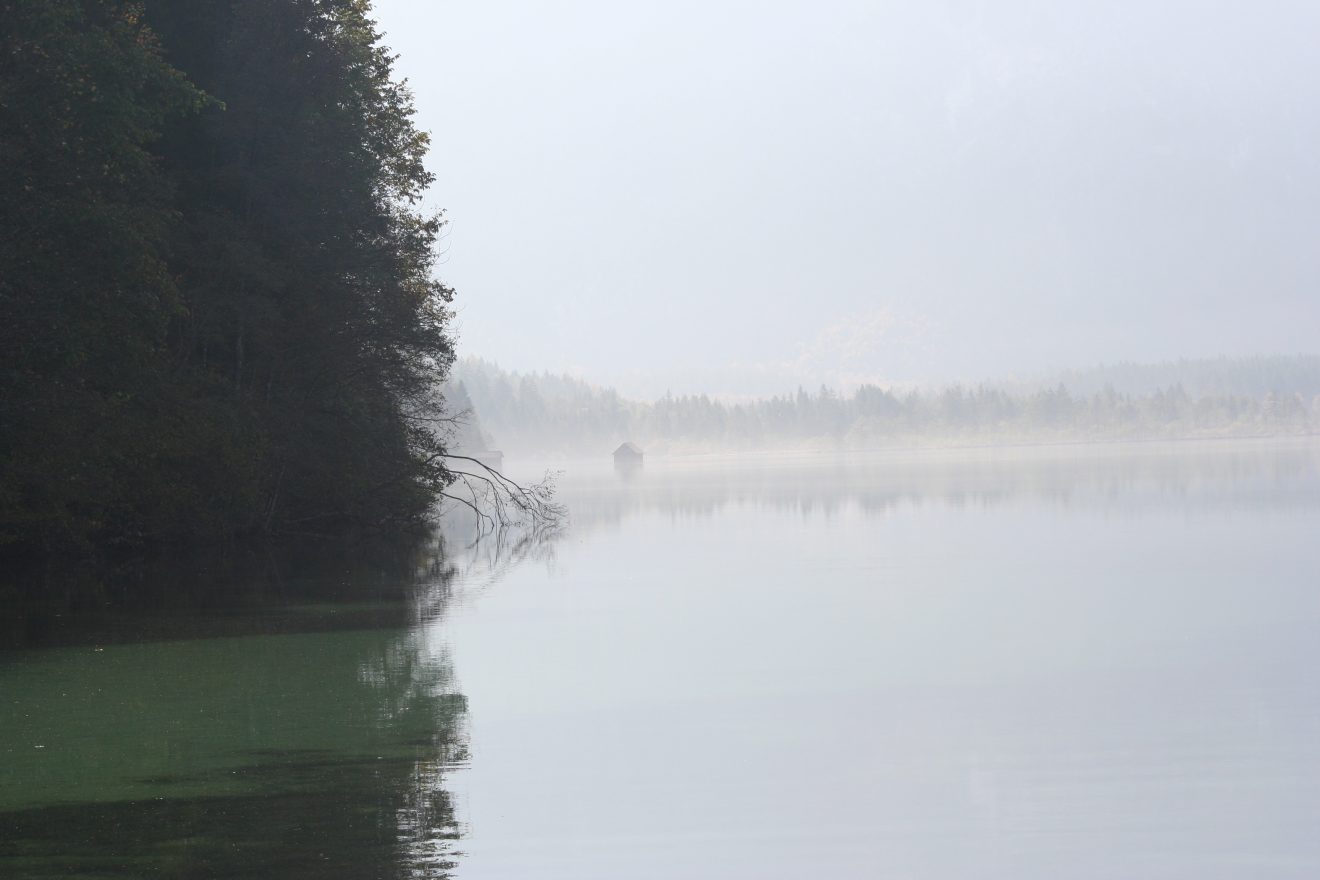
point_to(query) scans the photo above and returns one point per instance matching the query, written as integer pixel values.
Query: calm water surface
(1088, 662)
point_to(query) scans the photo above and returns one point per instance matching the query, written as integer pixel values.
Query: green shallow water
(293, 754)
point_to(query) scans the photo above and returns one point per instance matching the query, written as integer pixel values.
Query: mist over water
(1003, 664)
(542, 414)
(609, 441)
(1069, 661)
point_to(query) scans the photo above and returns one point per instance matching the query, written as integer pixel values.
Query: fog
(1094, 663)
(741, 441)
(737, 198)
(538, 414)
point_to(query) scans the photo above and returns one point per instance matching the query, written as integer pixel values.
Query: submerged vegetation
(217, 305)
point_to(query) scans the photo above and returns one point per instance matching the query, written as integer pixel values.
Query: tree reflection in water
(298, 739)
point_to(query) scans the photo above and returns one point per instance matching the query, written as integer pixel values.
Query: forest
(540, 413)
(220, 315)
(218, 310)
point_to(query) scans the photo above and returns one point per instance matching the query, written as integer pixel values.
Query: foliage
(1205, 377)
(86, 295)
(562, 415)
(218, 307)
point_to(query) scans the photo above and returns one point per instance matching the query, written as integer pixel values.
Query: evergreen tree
(86, 294)
(312, 311)
(216, 292)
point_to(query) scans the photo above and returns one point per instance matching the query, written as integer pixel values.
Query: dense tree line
(1204, 377)
(540, 413)
(217, 307)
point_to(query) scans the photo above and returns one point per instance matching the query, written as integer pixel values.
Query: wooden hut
(629, 454)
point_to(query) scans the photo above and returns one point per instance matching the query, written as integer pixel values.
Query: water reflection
(306, 739)
(1093, 663)
(1271, 475)
(1082, 663)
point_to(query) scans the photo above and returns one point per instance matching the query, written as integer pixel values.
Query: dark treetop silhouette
(217, 302)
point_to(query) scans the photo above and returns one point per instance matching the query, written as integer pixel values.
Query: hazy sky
(737, 197)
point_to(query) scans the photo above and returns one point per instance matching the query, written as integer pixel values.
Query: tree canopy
(217, 297)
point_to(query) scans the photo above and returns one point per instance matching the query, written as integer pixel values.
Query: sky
(740, 198)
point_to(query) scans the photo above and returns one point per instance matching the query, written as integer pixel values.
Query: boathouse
(628, 454)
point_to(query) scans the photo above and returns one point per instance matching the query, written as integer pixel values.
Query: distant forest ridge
(542, 413)
(1200, 377)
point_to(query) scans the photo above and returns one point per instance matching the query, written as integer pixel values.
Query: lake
(1081, 662)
